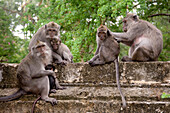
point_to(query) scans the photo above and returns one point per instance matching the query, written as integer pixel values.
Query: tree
(79, 20)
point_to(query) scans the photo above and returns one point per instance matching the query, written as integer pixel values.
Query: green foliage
(164, 95)
(79, 20)
(11, 49)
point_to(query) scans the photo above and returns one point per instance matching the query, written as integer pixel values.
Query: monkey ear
(45, 26)
(135, 17)
(59, 42)
(38, 41)
(59, 26)
(32, 51)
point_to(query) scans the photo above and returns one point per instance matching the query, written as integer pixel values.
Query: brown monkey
(50, 30)
(62, 50)
(107, 51)
(33, 77)
(144, 39)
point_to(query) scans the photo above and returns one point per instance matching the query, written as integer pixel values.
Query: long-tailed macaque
(50, 30)
(62, 50)
(54, 84)
(144, 39)
(33, 77)
(107, 51)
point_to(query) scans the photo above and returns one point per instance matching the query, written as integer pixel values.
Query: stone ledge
(99, 93)
(86, 106)
(130, 72)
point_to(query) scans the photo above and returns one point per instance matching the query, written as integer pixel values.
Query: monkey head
(55, 43)
(52, 30)
(40, 49)
(129, 20)
(103, 32)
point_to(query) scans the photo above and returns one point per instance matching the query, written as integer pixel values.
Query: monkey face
(51, 32)
(41, 50)
(102, 35)
(55, 44)
(129, 21)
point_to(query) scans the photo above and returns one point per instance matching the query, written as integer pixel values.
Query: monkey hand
(117, 39)
(90, 61)
(50, 72)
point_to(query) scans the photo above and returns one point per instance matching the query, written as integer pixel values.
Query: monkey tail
(118, 83)
(33, 107)
(16, 95)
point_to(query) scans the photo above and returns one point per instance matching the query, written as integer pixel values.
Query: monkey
(62, 50)
(52, 84)
(53, 80)
(32, 76)
(144, 39)
(44, 34)
(107, 51)
(50, 30)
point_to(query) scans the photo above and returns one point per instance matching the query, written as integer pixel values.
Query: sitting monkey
(33, 78)
(144, 39)
(107, 51)
(62, 50)
(50, 30)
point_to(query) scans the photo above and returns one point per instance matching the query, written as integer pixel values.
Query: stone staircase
(94, 90)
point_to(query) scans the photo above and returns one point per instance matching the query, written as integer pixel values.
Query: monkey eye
(49, 30)
(40, 46)
(99, 35)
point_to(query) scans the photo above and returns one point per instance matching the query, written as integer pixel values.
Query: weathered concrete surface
(100, 93)
(93, 89)
(8, 76)
(84, 106)
(83, 73)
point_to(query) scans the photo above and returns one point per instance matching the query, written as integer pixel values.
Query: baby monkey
(62, 50)
(53, 80)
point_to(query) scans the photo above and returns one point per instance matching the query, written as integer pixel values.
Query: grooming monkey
(33, 77)
(107, 51)
(62, 50)
(144, 39)
(50, 30)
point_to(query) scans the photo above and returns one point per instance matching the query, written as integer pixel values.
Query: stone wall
(94, 89)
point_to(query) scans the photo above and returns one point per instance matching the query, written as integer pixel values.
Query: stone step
(85, 106)
(131, 72)
(93, 89)
(101, 93)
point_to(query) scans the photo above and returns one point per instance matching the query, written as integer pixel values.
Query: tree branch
(6, 9)
(161, 14)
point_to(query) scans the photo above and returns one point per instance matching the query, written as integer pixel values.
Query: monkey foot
(53, 91)
(54, 102)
